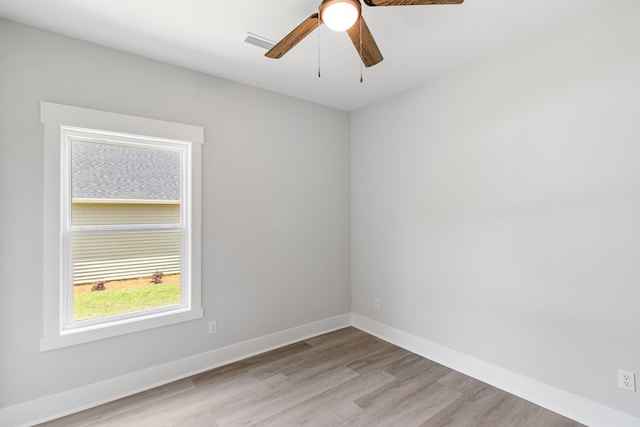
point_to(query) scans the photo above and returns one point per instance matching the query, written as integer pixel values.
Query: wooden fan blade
(294, 37)
(409, 2)
(369, 51)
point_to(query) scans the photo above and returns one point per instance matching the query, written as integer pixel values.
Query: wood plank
(340, 400)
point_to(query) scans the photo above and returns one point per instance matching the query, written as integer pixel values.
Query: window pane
(122, 272)
(120, 184)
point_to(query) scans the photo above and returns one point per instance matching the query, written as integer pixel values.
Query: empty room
(320, 212)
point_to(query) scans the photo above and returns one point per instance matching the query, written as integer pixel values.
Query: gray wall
(496, 210)
(275, 206)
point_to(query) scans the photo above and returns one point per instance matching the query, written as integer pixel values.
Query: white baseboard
(68, 402)
(562, 402)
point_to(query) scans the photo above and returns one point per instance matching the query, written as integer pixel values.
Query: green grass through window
(116, 301)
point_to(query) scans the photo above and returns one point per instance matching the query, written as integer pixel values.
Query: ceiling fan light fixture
(339, 15)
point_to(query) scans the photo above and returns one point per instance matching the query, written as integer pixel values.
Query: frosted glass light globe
(340, 16)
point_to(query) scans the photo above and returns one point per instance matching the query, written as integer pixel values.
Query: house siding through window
(122, 256)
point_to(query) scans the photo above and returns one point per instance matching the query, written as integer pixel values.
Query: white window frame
(63, 124)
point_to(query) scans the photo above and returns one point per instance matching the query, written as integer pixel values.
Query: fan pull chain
(361, 78)
(318, 30)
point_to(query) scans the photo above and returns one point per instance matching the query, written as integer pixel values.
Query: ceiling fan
(346, 15)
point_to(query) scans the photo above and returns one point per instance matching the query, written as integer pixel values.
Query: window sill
(108, 330)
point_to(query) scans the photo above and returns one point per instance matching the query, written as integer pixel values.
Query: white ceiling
(418, 42)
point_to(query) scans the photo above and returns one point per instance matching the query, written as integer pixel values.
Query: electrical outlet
(376, 303)
(627, 380)
(213, 327)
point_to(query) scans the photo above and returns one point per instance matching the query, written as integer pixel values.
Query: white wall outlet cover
(213, 327)
(627, 380)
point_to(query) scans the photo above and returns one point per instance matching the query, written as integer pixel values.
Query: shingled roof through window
(107, 171)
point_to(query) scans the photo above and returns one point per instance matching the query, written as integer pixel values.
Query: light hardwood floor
(343, 378)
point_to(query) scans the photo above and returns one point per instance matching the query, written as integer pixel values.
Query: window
(122, 224)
